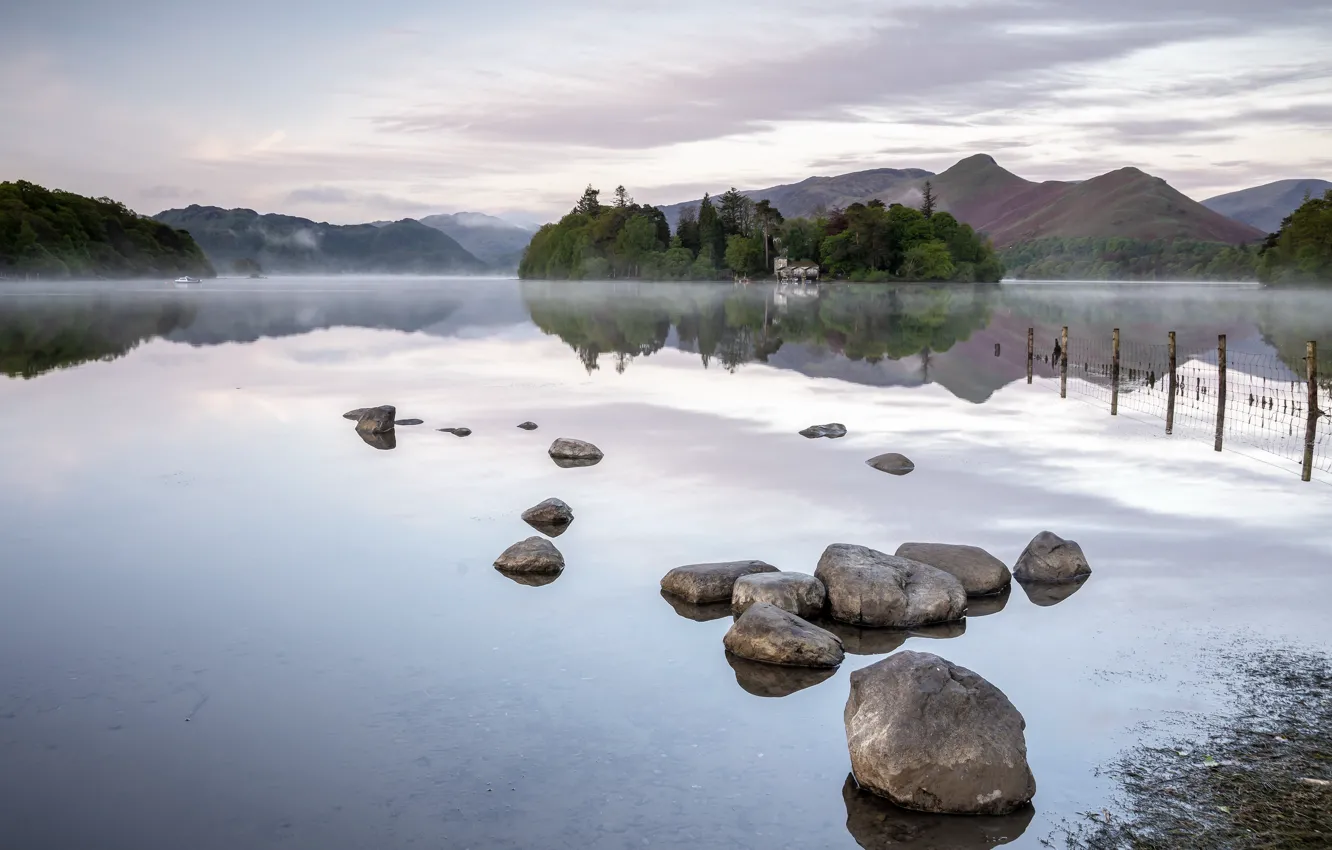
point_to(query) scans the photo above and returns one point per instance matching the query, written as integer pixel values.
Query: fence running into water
(1255, 400)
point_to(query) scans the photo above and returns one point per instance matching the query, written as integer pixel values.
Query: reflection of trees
(48, 335)
(738, 326)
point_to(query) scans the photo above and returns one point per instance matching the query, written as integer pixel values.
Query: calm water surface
(226, 621)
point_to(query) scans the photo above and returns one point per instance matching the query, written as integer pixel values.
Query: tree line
(46, 233)
(1301, 251)
(736, 236)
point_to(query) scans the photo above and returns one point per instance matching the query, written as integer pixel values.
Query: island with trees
(735, 236)
(48, 233)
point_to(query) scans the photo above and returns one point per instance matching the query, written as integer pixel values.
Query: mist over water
(267, 632)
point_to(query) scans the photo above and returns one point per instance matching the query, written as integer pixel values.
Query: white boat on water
(182, 282)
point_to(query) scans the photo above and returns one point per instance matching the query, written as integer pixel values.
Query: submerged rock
(981, 573)
(528, 426)
(1050, 558)
(457, 432)
(385, 441)
(771, 680)
(767, 633)
(351, 414)
(409, 422)
(799, 593)
(1046, 594)
(376, 420)
(567, 449)
(832, 431)
(877, 824)
(935, 737)
(869, 588)
(533, 555)
(701, 583)
(704, 612)
(893, 464)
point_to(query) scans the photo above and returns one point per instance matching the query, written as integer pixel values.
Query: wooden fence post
(1114, 374)
(1311, 420)
(1063, 363)
(1174, 388)
(1220, 391)
(1031, 350)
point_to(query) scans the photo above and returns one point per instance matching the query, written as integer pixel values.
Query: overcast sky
(351, 111)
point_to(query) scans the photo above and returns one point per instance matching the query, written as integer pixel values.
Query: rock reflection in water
(575, 462)
(774, 680)
(1046, 595)
(384, 440)
(550, 529)
(698, 613)
(877, 824)
(983, 606)
(530, 579)
(859, 640)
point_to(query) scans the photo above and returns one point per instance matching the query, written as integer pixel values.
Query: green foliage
(872, 242)
(59, 234)
(1301, 251)
(1130, 259)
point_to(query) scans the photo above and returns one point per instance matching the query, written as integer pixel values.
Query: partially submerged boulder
(877, 824)
(353, 415)
(533, 555)
(376, 420)
(702, 583)
(832, 431)
(771, 680)
(409, 422)
(869, 588)
(767, 633)
(1051, 559)
(567, 449)
(384, 442)
(981, 573)
(551, 517)
(799, 593)
(935, 737)
(457, 432)
(892, 463)
(528, 426)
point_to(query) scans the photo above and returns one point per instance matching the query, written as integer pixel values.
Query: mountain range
(290, 245)
(1265, 206)
(1127, 203)
(492, 240)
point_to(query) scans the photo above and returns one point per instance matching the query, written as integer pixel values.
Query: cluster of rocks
(376, 427)
(926, 734)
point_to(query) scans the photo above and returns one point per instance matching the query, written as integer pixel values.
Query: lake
(226, 620)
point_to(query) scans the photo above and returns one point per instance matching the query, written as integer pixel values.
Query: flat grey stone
(935, 737)
(767, 633)
(376, 420)
(1051, 559)
(869, 588)
(702, 583)
(892, 463)
(533, 555)
(832, 431)
(528, 426)
(799, 593)
(409, 422)
(457, 432)
(981, 573)
(353, 414)
(567, 449)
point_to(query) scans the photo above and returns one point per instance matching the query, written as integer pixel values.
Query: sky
(351, 111)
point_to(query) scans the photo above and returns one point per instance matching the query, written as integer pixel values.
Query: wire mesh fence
(1235, 399)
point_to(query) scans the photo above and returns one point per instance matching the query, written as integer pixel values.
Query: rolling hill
(1265, 206)
(290, 245)
(490, 239)
(1127, 203)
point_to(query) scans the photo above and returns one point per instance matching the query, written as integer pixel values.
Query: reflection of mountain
(47, 335)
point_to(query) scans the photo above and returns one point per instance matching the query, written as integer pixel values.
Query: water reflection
(384, 440)
(530, 579)
(1046, 595)
(984, 606)
(877, 824)
(774, 680)
(698, 613)
(576, 462)
(859, 640)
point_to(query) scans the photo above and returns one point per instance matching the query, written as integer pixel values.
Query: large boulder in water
(701, 583)
(533, 555)
(567, 449)
(877, 824)
(799, 593)
(376, 420)
(767, 633)
(1051, 559)
(869, 588)
(980, 572)
(935, 737)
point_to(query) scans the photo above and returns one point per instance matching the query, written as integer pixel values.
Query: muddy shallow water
(228, 621)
